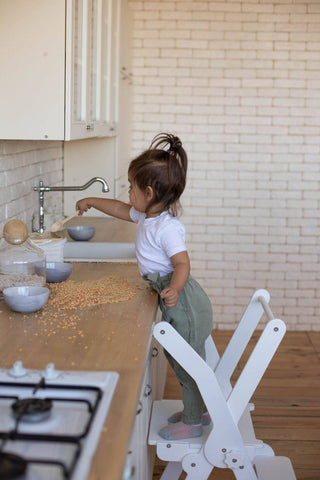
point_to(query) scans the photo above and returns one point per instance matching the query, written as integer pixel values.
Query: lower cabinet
(140, 457)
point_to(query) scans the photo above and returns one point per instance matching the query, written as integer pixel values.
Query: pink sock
(180, 431)
(177, 417)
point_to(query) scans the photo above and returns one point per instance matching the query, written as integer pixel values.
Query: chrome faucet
(41, 189)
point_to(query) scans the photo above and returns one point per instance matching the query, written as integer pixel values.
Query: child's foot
(177, 417)
(180, 431)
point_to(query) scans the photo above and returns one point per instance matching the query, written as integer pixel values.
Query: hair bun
(175, 142)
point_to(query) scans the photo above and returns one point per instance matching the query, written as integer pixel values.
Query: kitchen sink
(99, 252)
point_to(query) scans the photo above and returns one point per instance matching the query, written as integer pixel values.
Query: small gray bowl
(57, 271)
(26, 299)
(81, 232)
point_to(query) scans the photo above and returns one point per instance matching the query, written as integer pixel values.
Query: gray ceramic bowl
(57, 271)
(81, 232)
(26, 299)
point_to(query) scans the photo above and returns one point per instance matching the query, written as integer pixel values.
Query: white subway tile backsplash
(22, 165)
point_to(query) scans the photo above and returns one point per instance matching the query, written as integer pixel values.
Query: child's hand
(170, 296)
(82, 205)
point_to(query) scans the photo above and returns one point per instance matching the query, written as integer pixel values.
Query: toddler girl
(157, 179)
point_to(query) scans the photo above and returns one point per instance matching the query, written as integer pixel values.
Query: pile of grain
(72, 295)
(61, 313)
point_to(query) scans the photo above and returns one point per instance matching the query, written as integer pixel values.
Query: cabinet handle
(147, 390)
(155, 352)
(139, 408)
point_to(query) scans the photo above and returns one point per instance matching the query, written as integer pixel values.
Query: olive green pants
(192, 318)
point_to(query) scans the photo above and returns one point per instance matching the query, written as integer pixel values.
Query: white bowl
(81, 232)
(57, 271)
(26, 299)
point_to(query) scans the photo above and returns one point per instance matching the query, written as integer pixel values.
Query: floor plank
(287, 406)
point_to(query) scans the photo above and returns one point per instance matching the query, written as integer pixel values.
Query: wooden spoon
(58, 225)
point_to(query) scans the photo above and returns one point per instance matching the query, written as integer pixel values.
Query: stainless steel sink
(99, 252)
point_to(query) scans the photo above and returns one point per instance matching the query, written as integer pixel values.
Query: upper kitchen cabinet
(92, 32)
(60, 66)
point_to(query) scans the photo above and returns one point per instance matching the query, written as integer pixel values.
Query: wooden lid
(15, 232)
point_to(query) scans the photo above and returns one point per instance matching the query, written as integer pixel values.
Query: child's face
(138, 198)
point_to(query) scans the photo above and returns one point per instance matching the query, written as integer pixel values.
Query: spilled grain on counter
(68, 298)
(72, 295)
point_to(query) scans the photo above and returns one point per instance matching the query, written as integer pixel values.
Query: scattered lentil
(74, 295)
(67, 298)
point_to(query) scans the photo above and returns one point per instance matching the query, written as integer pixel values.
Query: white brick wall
(22, 165)
(238, 81)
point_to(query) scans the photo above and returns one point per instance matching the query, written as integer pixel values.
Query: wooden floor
(287, 401)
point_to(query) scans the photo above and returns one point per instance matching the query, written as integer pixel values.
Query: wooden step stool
(229, 442)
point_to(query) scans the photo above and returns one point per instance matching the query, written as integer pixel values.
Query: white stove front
(62, 445)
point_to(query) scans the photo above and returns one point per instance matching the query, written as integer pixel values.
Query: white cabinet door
(32, 59)
(140, 458)
(159, 366)
(138, 465)
(59, 63)
(92, 29)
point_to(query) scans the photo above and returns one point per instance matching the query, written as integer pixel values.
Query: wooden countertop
(111, 337)
(108, 229)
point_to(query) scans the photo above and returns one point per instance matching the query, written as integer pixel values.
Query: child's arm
(115, 208)
(181, 265)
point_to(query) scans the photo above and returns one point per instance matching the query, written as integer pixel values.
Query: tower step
(274, 468)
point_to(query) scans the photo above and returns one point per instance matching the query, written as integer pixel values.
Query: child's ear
(149, 192)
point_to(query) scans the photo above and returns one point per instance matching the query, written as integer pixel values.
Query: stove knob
(17, 370)
(50, 372)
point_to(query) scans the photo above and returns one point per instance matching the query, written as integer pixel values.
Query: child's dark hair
(163, 167)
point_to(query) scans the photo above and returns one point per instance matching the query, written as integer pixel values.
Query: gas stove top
(51, 421)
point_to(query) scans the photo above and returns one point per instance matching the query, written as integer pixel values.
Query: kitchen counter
(112, 337)
(108, 229)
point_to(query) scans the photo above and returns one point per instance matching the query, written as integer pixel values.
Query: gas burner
(11, 466)
(32, 410)
(50, 424)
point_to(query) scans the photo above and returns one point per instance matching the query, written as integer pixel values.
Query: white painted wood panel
(32, 79)
(84, 159)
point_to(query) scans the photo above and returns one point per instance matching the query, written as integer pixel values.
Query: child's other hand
(82, 206)
(170, 296)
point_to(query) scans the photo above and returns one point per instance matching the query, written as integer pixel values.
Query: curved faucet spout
(105, 186)
(42, 188)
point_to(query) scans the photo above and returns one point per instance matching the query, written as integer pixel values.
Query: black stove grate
(12, 465)
(92, 408)
(75, 440)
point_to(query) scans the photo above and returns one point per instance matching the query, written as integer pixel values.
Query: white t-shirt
(157, 239)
